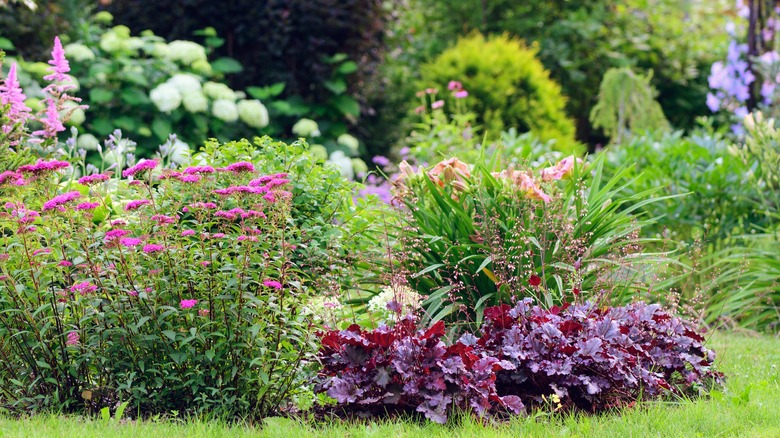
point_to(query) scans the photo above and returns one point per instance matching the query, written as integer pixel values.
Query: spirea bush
(177, 302)
(575, 357)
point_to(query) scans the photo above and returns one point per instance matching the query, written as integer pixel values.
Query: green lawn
(748, 406)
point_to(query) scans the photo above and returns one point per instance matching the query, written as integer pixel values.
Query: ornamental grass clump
(478, 236)
(187, 299)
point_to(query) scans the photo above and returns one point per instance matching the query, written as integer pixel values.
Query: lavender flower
(60, 200)
(138, 203)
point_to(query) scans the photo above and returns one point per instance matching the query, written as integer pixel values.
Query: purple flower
(92, 179)
(381, 161)
(87, 206)
(273, 284)
(116, 234)
(189, 178)
(130, 242)
(140, 167)
(51, 122)
(462, 94)
(152, 247)
(11, 94)
(43, 167)
(454, 86)
(162, 219)
(438, 104)
(188, 304)
(713, 103)
(198, 169)
(83, 288)
(187, 233)
(73, 339)
(59, 65)
(10, 176)
(65, 264)
(243, 238)
(241, 166)
(134, 205)
(60, 200)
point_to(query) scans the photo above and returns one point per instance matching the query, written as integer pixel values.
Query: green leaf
(347, 68)
(100, 95)
(347, 105)
(336, 86)
(263, 93)
(134, 96)
(170, 334)
(226, 65)
(126, 123)
(338, 57)
(102, 126)
(6, 44)
(161, 128)
(427, 270)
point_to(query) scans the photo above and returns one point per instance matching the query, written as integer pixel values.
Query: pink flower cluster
(140, 167)
(43, 167)
(135, 205)
(88, 206)
(200, 205)
(73, 339)
(130, 242)
(10, 176)
(198, 170)
(457, 90)
(240, 167)
(272, 284)
(92, 179)
(11, 94)
(116, 234)
(83, 288)
(58, 201)
(152, 248)
(162, 219)
(239, 212)
(188, 304)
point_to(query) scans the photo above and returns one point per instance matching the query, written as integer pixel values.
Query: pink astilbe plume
(11, 94)
(51, 121)
(59, 65)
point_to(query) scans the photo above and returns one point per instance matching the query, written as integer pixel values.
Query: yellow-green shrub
(508, 87)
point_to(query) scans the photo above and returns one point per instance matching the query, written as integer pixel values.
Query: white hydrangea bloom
(185, 83)
(165, 97)
(344, 164)
(319, 152)
(306, 128)
(186, 52)
(224, 109)
(159, 50)
(79, 52)
(404, 298)
(216, 90)
(88, 142)
(253, 113)
(195, 102)
(348, 141)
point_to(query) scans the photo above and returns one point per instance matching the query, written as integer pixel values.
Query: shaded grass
(749, 405)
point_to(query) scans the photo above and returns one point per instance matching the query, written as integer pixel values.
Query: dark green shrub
(508, 87)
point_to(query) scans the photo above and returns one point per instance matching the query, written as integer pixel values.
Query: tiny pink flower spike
(11, 94)
(59, 65)
(51, 122)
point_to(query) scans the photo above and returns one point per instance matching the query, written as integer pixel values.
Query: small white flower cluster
(401, 298)
(327, 311)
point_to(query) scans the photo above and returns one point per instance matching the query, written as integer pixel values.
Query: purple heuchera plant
(403, 368)
(595, 358)
(592, 358)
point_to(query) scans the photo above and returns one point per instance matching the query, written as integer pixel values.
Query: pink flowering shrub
(175, 294)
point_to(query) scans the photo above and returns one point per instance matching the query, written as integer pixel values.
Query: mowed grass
(748, 406)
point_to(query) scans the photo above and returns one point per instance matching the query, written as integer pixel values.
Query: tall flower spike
(59, 65)
(51, 122)
(11, 94)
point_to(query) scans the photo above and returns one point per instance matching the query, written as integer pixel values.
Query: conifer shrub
(508, 87)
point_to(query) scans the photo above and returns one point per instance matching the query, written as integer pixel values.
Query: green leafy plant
(481, 236)
(510, 87)
(627, 105)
